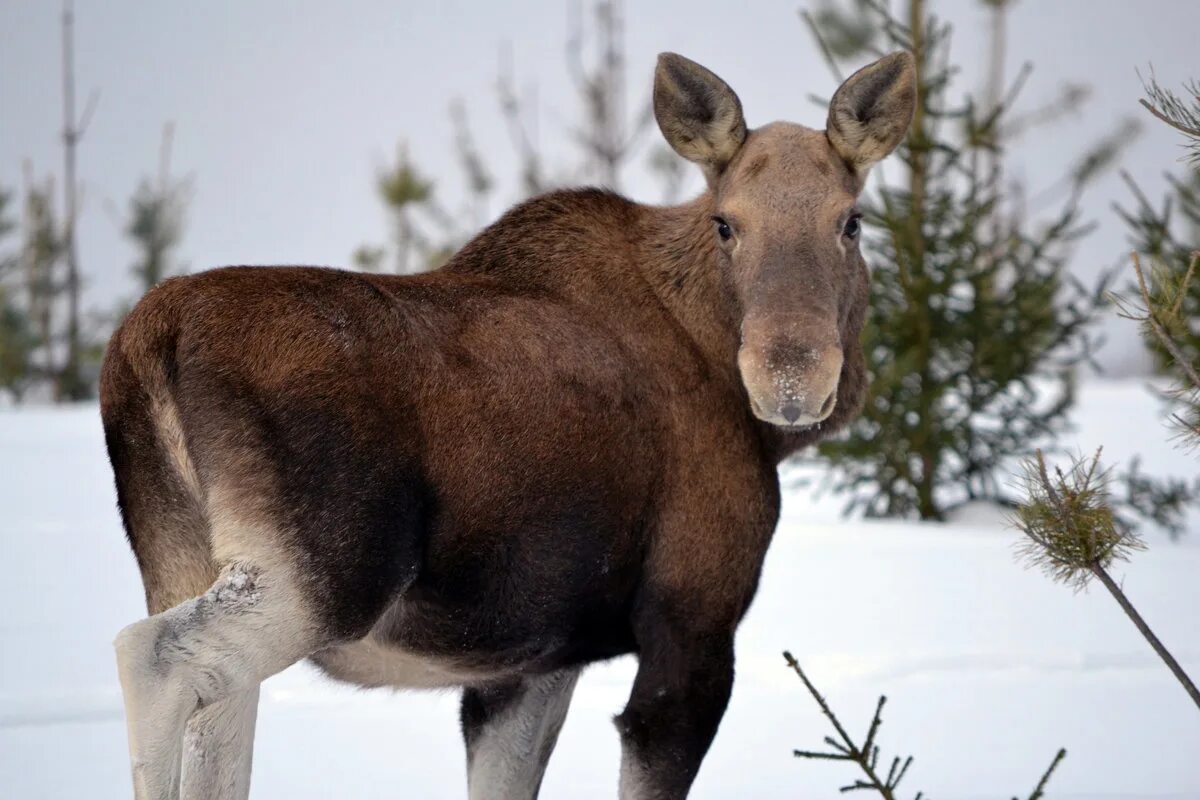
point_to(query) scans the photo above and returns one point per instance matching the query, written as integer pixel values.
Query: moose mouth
(789, 417)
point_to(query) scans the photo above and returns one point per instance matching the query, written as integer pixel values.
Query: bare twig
(1119, 595)
(524, 141)
(1040, 789)
(830, 59)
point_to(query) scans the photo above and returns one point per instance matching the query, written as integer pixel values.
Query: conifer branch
(1181, 113)
(1179, 126)
(846, 750)
(1146, 315)
(1073, 535)
(867, 756)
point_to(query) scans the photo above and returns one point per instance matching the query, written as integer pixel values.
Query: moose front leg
(679, 696)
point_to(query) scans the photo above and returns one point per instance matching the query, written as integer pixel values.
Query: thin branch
(89, 109)
(1168, 659)
(825, 709)
(830, 60)
(1184, 129)
(1040, 789)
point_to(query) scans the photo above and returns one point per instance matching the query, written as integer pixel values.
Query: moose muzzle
(790, 371)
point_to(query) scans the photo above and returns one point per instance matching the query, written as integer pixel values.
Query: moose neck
(682, 263)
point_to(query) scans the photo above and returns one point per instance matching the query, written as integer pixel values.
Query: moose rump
(272, 426)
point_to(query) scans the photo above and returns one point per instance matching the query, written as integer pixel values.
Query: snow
(988, 667)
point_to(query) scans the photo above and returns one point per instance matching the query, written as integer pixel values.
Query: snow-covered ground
(988, 668)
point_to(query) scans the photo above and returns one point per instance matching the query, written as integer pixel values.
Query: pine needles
(1069, 525)
(1180, 112)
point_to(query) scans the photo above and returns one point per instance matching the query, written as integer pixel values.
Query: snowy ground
(988, 668)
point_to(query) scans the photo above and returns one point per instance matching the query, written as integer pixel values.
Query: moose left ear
(870, 113)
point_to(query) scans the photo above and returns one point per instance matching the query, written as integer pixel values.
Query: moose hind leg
(250, 624)
(218, 745)
(510, 732)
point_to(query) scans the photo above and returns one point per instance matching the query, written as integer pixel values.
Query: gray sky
(283, 110)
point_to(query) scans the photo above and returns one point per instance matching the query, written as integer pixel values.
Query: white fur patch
(370, 663)
(634, 784)
(246, 627)
(510, 755)
(170, 435)
(218, 749)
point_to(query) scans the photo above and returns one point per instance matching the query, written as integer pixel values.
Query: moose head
(787, 225)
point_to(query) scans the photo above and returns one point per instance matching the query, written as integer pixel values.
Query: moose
(560, 447)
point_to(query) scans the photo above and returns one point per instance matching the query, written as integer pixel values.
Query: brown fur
(547, 452)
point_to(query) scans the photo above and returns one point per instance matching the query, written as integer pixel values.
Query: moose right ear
(870, 113)
(699, 115)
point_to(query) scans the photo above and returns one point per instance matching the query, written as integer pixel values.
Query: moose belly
(372, 663)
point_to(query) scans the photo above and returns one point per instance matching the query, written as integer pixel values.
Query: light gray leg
(510, 733)
(218, 746)
(249, 625)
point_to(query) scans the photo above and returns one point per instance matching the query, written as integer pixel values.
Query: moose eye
(853, 226)
(723, 229)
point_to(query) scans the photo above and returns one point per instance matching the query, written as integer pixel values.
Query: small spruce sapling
(866, 755)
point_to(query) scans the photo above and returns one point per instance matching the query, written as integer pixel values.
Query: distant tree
(43, 278)
(155, 220)
(1167, 236)
(606, 135)
(16, 335)
(368, 258)
(671, 170)
(975, 322)
(425, 234)
(71, 382)
(479, 180)
(404, 190)
(8, 261)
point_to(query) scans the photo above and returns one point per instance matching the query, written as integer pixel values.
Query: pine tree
(975, 322)
(155, 221)
(426, 234)
(1072, 527)
(71, 383)
(16, 335)
(403, 189)
(44, 280)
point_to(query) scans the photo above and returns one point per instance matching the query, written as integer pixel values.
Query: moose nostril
(827, 406)
(790, 412)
